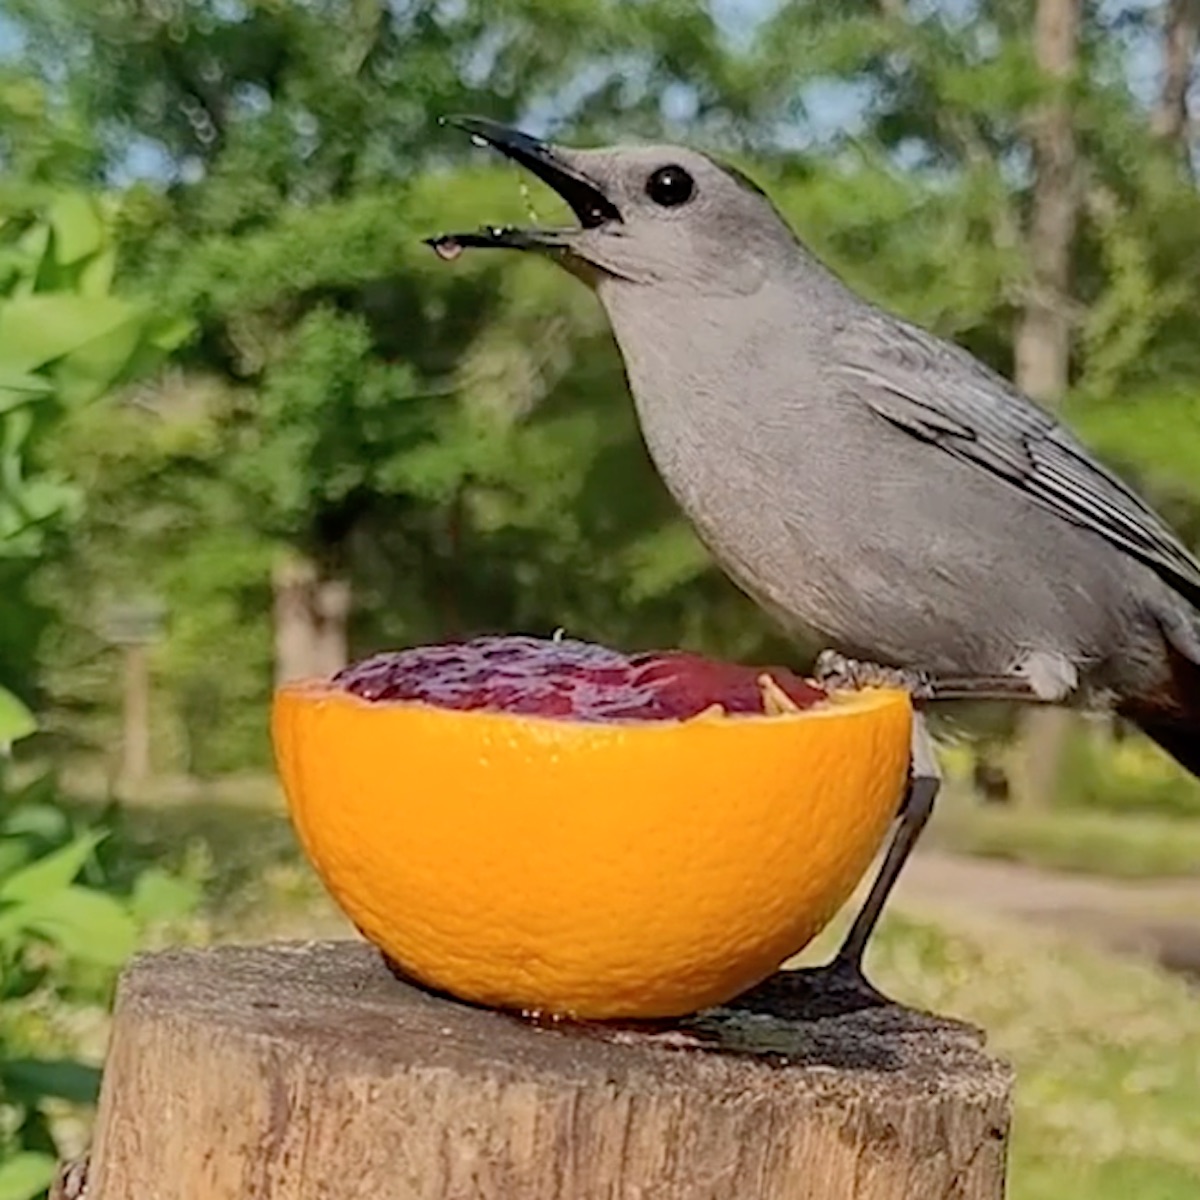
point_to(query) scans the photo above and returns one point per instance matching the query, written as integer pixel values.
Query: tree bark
(295, 1072)
(311, 621)
(135, 717)
(1181, 31)
(1043, 336)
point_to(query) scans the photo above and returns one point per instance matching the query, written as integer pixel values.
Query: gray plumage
(868, 483)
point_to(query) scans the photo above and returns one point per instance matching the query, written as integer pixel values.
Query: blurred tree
(1181, 34)
(442, 450)
(388, 437)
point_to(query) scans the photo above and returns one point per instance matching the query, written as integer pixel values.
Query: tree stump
(306, 1071)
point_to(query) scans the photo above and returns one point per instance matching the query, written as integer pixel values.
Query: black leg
(843, 978)
(923, 788)
(844, 974)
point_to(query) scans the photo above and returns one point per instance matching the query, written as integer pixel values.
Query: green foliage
(1125, 775)
(16, 721)
(25, 1174)
(58, 937)
(1127, 844)
(65, 340)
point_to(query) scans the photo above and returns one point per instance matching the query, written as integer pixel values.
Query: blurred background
(250, 428)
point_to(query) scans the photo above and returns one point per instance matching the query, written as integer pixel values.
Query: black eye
(670, 186)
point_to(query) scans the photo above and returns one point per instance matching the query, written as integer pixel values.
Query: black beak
(592, 207)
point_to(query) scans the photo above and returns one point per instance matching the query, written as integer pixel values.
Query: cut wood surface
(306, 1071)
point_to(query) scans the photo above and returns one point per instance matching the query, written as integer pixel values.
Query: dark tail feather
(1172, 716)
(1178, 736)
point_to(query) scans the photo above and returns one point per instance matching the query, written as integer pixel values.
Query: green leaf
(40, 329)
(171, 332)
(14, 854)
(39, 499)
(96, 275)
(13, 397)
(28, 1080)
(90, 369)
(16, 721)
(664, 558)
(78, 229)
(34, 246)
(23, 381)
(85, 924)
(50, 874)
(158, 895)
(26, 1175)
(34, 815)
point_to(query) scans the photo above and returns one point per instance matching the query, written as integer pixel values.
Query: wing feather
(941, 394)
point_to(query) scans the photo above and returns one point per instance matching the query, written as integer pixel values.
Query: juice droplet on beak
(447, 249)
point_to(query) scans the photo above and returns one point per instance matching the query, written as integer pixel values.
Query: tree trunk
(1043, 342)
(1181, 29)
(1043, 338)
(311, 621)
(294, 1072)
(135, 717)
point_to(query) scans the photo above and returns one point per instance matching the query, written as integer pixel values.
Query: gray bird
(871, 486)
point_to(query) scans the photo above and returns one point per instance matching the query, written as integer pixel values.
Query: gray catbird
(868, 484)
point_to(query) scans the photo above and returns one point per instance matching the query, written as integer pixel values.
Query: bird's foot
(836, 672)
(840, 987)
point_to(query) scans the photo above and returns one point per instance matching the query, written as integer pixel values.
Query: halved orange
(632, 868)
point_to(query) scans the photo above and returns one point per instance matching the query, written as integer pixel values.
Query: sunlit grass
(1126, 845)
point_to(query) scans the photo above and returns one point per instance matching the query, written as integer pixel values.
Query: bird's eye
(670, 186)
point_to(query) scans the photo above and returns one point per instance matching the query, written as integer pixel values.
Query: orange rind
(628, 869)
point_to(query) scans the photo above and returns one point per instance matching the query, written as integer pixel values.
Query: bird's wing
(941, 394)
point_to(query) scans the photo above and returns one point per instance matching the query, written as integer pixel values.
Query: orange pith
(640, 869)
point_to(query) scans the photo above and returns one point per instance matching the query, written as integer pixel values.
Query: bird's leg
(844, 974)
(925, 780)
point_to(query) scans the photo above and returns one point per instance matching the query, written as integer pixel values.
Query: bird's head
(662, 216)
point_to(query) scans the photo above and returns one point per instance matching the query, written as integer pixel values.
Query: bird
(877, 490)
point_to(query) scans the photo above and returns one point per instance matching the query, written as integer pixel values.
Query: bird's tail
(1180, 738)
(1171, 717)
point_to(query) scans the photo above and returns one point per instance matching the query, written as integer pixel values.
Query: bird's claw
(836, 672)
(842, 987)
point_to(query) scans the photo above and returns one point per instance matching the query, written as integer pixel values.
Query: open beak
(587, 201)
